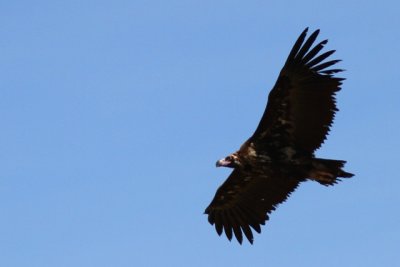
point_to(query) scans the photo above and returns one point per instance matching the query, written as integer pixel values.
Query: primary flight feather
(271, 164)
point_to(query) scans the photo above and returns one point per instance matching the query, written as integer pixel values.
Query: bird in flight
(279, 155)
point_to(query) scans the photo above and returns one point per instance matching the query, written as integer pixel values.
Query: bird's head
(230, 161)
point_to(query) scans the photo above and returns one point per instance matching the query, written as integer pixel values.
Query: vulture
(279, 155)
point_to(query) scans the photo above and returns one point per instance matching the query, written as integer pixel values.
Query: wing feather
(325, 65)
(319, 59)
(250, 219)
(307, 45)
(298, 44)
(243, 226)
(226, 224)
(218, 223)
(315, 51)
(233, 219)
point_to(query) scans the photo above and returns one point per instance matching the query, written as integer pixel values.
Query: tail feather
(328, 171)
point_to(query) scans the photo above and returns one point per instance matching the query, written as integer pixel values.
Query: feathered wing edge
(312, 98)
(303, 62)
(303, 97)
(242, 203)
(302, 55)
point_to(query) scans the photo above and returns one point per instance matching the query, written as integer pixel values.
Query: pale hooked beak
(223, 163)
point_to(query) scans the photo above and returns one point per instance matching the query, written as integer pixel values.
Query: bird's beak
(222, 163)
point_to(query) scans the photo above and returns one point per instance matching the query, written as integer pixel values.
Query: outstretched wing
(302, 102)
(244, 200)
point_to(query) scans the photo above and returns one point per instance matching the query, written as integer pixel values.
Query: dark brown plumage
(271, 164)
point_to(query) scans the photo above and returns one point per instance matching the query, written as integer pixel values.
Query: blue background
(113, 114)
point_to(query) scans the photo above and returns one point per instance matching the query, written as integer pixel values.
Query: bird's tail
(328, 171)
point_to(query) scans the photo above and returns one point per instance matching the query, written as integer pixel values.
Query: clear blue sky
(113, 114)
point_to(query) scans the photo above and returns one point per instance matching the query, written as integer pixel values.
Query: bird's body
(271, 164)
